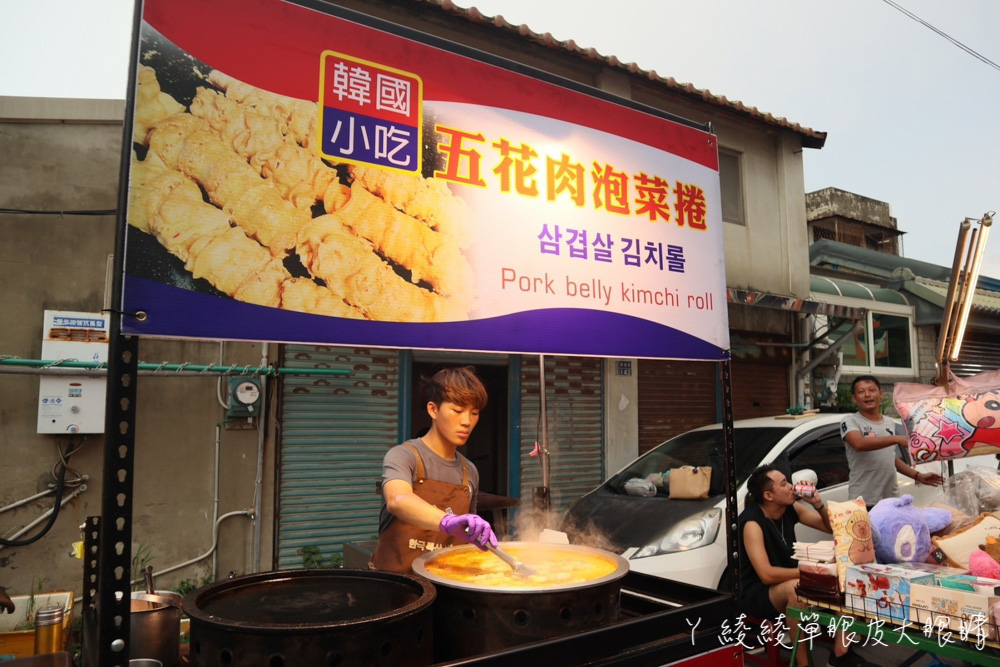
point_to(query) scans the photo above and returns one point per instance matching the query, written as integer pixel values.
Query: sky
(911, 118)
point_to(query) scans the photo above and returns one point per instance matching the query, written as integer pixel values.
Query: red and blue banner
(299, 176)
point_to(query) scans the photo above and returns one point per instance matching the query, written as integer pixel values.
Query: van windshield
(701, 448)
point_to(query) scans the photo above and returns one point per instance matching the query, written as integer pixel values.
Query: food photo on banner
(300, 176)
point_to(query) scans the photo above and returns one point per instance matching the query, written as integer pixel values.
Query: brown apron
(400, 544)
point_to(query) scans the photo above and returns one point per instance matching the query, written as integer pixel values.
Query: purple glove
(469, 527)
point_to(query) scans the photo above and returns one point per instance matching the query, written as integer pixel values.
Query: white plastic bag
(640, 487)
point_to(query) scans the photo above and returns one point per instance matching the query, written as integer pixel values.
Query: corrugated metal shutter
(574, 400)
(674, 397)
(980, 352)
(334, 433)
(759, 390)
(761, 365)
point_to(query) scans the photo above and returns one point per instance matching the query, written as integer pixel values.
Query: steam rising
(529, 524)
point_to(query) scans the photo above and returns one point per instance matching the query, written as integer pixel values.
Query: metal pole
(732, 513)
(949, 301)
(961, 296)
(969, 286)
(114, 598)
(114, 557)
(542, 498)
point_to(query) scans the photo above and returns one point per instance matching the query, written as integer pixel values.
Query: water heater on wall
(66, 403)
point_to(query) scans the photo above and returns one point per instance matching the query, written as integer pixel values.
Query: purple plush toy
(903, 532)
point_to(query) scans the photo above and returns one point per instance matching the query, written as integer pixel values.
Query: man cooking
(428, 489)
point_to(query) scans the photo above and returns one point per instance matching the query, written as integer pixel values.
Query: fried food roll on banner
(298, 115)
(187, 144)
(170, 207)
(404, 240)
(305, 296)
(300, 176)
(346, 263)
(151, 104)
(426, 199)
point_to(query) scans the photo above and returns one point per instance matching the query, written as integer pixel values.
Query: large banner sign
(296, 176)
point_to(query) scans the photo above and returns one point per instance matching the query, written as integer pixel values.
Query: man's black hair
(760, 482)
(865, 378)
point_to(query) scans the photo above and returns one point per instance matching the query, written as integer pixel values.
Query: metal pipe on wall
(259, 481)
(99, 369)
(45, 515)
(215, 542)
(215, 500)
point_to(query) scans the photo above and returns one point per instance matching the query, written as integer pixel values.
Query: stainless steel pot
(312, 617)
(155, 626)
(470, 619)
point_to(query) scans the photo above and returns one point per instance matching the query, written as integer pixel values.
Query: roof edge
(810, 138)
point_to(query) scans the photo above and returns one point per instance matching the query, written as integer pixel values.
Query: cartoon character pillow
(947, 422)
(852, 535)
(903, 531)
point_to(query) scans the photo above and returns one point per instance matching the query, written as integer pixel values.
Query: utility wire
(109, 211)
(970, 51)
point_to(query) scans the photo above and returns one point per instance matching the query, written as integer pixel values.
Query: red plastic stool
(771, 654)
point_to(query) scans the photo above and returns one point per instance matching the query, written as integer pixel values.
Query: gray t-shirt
(401, 463)
(872, 474)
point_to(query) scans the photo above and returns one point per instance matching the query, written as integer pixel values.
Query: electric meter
(244, 397)
(247, 393)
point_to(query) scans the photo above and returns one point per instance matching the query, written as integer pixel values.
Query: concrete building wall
(59, 262)
(831, 202)
(770, 252)
(927, 341)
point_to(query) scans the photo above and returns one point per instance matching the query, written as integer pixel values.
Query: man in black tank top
(769, 573)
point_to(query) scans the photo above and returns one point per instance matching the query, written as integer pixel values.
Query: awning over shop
(930, 296)
(854, 290)
(924, 285)
(936, 291)
(792, 304)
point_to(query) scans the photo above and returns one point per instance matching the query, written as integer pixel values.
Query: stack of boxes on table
(942, 595)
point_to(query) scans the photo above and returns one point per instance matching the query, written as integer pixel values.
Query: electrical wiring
(52, 517)
(61, 484)
(970, 51)
(74, 477)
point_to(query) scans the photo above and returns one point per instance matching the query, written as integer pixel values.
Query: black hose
(52, 517)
